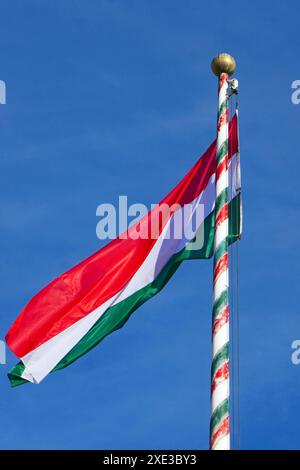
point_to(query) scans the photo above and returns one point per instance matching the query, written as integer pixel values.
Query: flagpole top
(223, 63)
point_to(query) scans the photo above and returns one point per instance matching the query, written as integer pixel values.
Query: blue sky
(117, 97)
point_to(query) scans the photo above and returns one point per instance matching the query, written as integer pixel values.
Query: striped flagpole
(223, 65)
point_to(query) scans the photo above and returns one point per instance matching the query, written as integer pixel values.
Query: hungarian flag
(81, 307)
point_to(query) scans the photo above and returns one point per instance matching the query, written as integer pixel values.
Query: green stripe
(221, 249)
(218, 415)
(221, 357)
(15, 375)
(222, 152)
(234, 227)
(116, 316)
(220, 303)
(221, 199)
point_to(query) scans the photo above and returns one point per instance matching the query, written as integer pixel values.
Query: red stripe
(223, 119)
(221, 265)
(221, 319)
(86, 286)
(222, 214)
(222, 167)
(221, 375)
(221, 431)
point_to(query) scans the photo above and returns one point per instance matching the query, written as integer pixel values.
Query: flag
(77, 310)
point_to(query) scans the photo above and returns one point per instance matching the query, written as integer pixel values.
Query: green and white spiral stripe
(220, 424)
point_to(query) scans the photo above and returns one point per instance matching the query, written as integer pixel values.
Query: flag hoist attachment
(223, 66)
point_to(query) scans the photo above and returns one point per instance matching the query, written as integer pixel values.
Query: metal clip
(234, 87)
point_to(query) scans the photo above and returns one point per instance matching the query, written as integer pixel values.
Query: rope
(234, 314)
(238, 346)
(231, 253)
(238, 318)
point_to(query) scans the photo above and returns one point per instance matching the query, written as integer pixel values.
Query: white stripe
(222, 182)
(222, 136)
(222, 93)
(219, 394)
(220, 338)
(43, 359)
(220, 285)
(221, 232)
(39, 362)
(234, 176)
(223, 443)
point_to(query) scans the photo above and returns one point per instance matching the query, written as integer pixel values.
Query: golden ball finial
(223, 63)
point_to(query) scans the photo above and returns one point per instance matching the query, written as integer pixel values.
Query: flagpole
(223, 66)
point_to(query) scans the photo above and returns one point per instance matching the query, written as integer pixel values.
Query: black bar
(135, 458)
